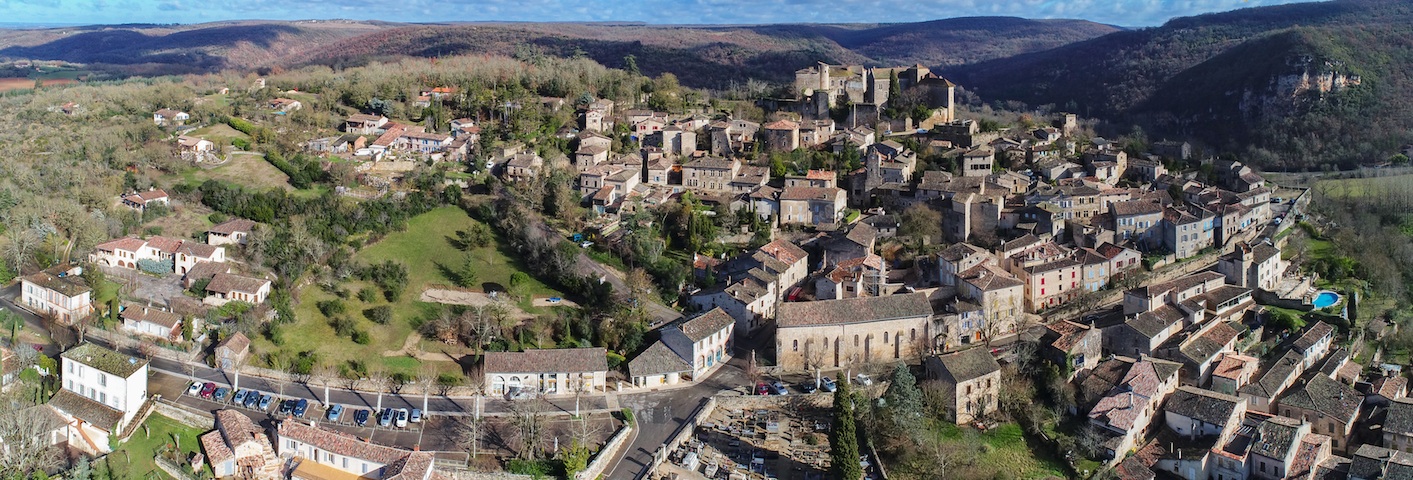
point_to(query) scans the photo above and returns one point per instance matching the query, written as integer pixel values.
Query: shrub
(627, 415)
(155, 267)
(614, 360)
(343, 326)
(330, 308)
(380, 315)
(367, 295)
(362, 337)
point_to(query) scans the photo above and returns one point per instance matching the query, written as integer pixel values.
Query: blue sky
(1118, 12)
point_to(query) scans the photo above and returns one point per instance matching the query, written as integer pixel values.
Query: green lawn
(422, 247)
(1004, 452)
(219, 131)
(1362, 187)
(135, 458)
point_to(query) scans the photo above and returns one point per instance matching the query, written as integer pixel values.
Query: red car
(762, 389)
(207, 390)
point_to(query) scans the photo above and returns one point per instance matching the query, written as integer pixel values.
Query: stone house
(710, 174)
(1257, 266)
(238, 448)
(231, 352)
(1370, 462)
(1126, 412)
(1331, 407)
(227, 287)
(978, 162)
(1268, 384)
(1187, 231)
(549, 371)
(1192, 412)
(523, 167)
(1314, 343)
(1233, 371)
(364, 124)
(782, 136)
(958, 258)
(812, 205)
(1137, 220)
(141, 200)
(1074, 345)
(1398, 426)
(230, 232)
(1000, 297)
(971, 381)
(852, 332)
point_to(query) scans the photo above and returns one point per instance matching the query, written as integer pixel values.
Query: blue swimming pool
(1326, 298)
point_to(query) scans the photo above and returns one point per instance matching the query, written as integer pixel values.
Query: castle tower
(823, 77)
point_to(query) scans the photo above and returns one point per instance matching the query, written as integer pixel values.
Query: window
(103, 397)
(856, 340)
(796, 345)
(912, 335)
(102, 380)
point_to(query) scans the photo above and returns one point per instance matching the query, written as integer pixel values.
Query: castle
(822, 87)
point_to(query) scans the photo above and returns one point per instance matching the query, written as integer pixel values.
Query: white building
(693, 347)
(58, 291)
(233, 231)
(152, 321)
(548, 371)
(326, 454)
(102, 390)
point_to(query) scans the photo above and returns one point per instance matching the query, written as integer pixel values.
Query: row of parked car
(298, 407)
(825, 383)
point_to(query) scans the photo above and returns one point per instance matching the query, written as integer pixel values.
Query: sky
(1132, 13)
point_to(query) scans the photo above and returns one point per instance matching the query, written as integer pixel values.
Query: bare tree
(379, 380)
(25, 435)
(529, 418)
(468, 436)
(426, 378)
(324, 374)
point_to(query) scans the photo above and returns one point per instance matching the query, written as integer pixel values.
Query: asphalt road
(659, 414)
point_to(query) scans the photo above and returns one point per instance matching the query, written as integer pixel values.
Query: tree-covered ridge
(1217, 77)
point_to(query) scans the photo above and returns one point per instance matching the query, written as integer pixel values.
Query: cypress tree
(844, 439)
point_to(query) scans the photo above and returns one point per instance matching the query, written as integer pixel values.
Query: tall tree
(844, 438)
(903, 398)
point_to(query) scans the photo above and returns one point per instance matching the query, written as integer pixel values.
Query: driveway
(145, 287)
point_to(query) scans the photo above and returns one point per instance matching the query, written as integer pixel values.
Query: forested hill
(1292, 86)
(702, 56)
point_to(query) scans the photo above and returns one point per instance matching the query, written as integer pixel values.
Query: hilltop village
(662, 285)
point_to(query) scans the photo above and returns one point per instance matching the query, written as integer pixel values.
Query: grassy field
(219, 132)
(1361, 187)
(422, 247)
(1003, 452)
(250, 170)
(135, 459)
(184, 221)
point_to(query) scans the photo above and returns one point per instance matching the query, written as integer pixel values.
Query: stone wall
(607, 454)
(184, 415)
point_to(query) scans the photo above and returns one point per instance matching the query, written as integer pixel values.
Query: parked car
(194, 389)
(301, 407)
(265, 401)
(252, 399)
(863, 379)
(778, 388)
(416, 416)
(287, 406)
(385, 419)
(361, 417)
(221, 394)
(208, 389)
(402, 415)
(239, 398)
(807, 386)
(762, 389)
(827, 384)
(334, 413)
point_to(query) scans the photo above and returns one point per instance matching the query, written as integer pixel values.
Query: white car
(401, 420)
(194, 389)
(863, 379)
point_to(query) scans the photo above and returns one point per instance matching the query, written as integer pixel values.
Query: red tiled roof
(227, 283)
(129, 244)
(784, 251)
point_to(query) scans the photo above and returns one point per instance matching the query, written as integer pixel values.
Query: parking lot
(391, 433)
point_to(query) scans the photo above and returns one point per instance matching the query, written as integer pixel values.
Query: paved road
(659, 414)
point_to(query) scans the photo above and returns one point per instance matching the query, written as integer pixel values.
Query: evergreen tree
(844, 439)
(903, 398)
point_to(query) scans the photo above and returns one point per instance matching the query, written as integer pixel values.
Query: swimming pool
(1325, 298)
